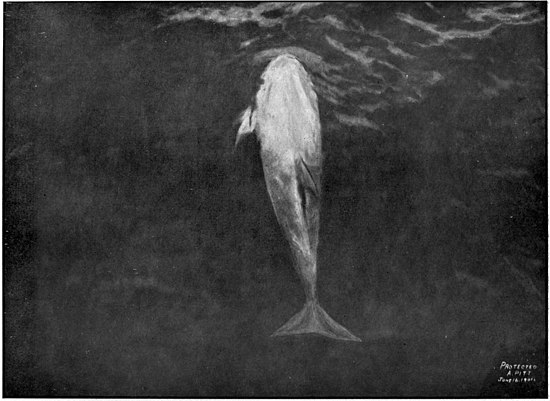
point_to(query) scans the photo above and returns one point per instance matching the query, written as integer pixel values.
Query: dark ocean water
(142, 256)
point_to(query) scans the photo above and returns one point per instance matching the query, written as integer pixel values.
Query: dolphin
(285, 118)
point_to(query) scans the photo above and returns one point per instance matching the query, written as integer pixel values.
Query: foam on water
(357, 121)
(445, 36)
(505, 13)
(236, 15)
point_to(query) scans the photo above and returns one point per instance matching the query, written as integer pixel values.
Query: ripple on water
(357, 69)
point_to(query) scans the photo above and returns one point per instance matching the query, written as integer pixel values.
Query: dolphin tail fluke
(313, 319)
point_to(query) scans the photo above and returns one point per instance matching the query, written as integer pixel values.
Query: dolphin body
(286, 121)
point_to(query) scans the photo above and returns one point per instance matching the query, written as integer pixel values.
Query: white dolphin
(286, 121)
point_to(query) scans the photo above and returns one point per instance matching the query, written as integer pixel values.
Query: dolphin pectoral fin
(309, 177)
(248, 124)
(313, 319)
(309, 186)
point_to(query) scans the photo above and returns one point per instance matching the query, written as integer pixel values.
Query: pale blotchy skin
(289, 130)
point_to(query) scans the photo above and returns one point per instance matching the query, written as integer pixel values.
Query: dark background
(142, 256)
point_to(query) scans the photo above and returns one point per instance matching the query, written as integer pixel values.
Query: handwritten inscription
(517, 373)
